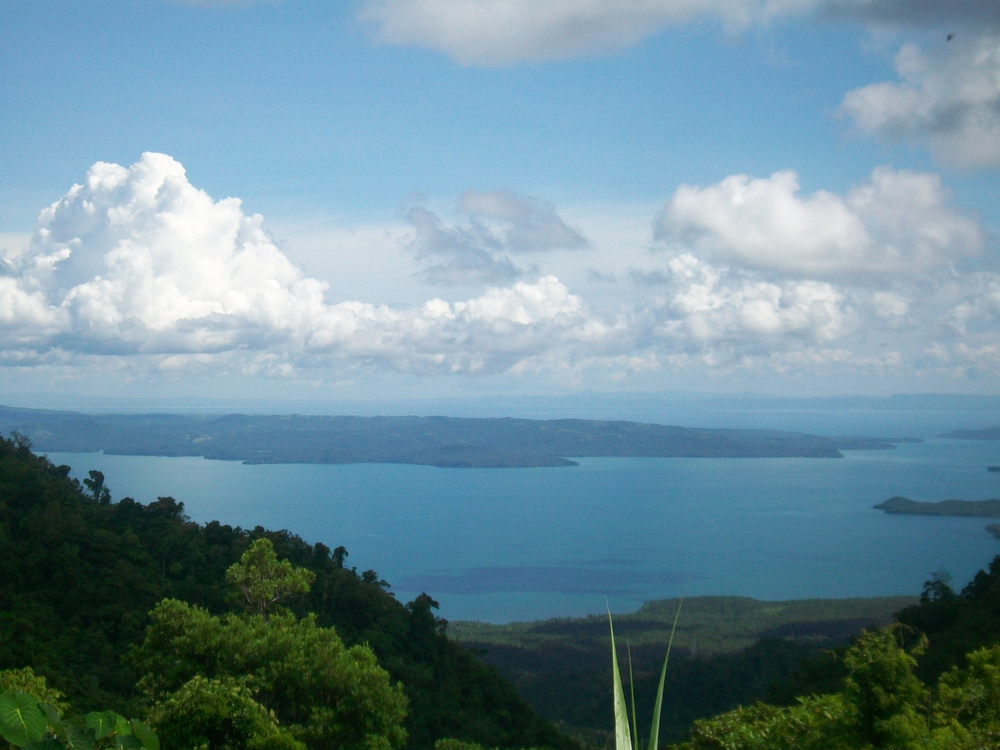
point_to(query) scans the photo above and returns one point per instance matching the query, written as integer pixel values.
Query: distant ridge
(990, 433)
(449, 442)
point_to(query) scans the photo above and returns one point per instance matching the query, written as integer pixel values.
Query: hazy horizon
(901, 416)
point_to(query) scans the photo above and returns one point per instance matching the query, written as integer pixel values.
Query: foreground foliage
(31, 717)
(883, 704)
(728, 651)
(264, 678)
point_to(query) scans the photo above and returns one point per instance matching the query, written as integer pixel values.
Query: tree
(98, 490)
(938, 588)
(264, 581)
(967, 710)
(882, 705)
(885, 697)
(264, 676)
(219, 715)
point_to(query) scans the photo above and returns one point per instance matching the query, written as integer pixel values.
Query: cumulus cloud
(503, 32)
(755, 272)
(136, 261)
(948, 98)
(897, 223)
(498, 224)
(136, 270)
(708, 305)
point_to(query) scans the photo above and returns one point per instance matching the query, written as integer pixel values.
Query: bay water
(521, 544)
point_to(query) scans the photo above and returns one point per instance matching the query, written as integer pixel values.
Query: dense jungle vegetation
(931, 681)
(727, 651)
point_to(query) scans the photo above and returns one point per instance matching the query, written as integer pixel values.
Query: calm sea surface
(519, 544)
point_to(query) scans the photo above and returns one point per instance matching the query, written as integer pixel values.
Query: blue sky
(499, 196)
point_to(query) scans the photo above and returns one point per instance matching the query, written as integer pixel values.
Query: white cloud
(503, 32)
(948, 98)
(978, 311)
(506, 32)
(499, 224)
(139, 262)
(897, 223)
(708, 305)
(754, 273)
(137, 273)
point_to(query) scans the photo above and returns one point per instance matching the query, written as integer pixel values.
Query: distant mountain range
(435, 441)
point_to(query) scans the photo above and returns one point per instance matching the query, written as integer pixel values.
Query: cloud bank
(506, 32)
(948, 99)
(503, 32)
(138, 262)
(882, 277)
(137, 269)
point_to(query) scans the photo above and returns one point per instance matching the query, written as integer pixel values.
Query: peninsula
(434, 441)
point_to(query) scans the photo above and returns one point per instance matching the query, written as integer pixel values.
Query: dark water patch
(540, 579)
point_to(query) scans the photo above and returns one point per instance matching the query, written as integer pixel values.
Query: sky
(434, 198)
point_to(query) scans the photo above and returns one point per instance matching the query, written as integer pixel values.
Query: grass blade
(654, 732)
(631, 689)
(623, 738)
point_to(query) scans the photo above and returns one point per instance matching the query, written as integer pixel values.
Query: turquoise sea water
(518, 544)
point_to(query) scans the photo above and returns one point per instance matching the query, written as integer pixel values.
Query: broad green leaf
(101, 723)
(654, 732)
(122, 726)
(55, 720)
(623, 738)
(128, 742)
(21, 720)
(78, 738)
(148, 737)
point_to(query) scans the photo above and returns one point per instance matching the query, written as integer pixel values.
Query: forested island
(449, 442)
(904, 506)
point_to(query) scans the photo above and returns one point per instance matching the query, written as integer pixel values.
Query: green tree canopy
(264, 581)
(883, 706)
(264, 678)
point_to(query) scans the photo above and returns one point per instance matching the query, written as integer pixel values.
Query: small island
(966, 508)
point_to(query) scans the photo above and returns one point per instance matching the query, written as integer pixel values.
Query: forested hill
(434, 441)
(81, 573)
